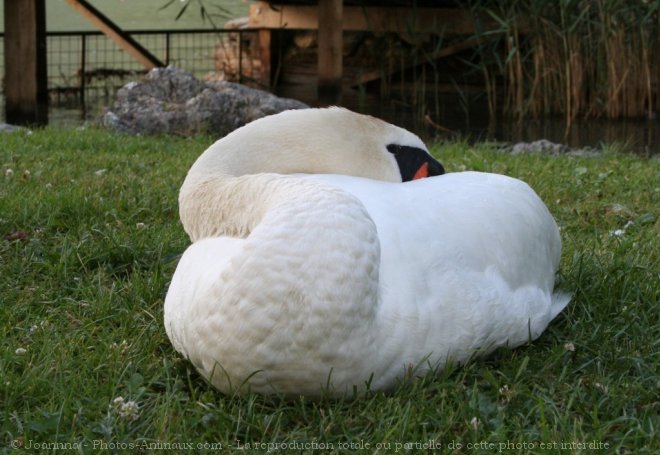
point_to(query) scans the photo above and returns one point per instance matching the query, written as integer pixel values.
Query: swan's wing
(471, 219)
(467, 259)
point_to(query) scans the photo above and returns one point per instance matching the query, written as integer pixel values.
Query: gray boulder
(542, 146)
(545, 147)
(172, 101)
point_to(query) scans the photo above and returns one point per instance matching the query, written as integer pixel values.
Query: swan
(323, 262)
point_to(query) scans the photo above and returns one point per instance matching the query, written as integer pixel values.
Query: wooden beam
(448, 21)
(109, 28)
(26, 78)
(330, 50)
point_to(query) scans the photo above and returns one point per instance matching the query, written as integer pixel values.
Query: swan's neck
(224, 205)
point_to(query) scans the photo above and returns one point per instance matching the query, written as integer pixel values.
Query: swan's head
(320, 141)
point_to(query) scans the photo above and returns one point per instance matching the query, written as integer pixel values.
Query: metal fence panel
(86, 67)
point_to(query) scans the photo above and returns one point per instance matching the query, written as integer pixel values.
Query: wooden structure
(109, 28)
(333, 17)
(26, 82)
(26, 78)
(331, 49)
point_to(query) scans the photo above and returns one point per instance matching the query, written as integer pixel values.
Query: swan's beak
(422, 172)
(429, 169)
(415, 163)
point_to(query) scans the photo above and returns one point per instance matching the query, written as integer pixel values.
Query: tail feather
(559, 301)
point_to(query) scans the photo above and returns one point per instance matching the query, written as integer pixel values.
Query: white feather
(295, 283)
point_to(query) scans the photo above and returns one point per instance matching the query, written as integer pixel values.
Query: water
(453, 120)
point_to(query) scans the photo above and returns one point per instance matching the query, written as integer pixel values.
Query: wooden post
(26, 78)
(330, 50)
(265, 56)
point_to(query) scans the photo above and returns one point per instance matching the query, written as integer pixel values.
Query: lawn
(89, 238)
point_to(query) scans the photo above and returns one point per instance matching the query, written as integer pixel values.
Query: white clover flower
(617, 233)
(622, 231)
(9, 172)
(506, 393)
(569, 347)
(475, 423)
(140, 225)
(128, 410)
(603, 388)
(122, 347)
(20, 351)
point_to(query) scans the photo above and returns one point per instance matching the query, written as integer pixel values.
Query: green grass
(88, 243)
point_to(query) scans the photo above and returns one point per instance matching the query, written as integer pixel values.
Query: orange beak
(422, 172)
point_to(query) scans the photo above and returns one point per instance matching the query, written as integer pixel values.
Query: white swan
(302, 283)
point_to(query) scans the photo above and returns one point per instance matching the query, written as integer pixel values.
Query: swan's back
(465, 269)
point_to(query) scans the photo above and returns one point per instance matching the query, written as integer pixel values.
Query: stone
(173, 101)
(541, 146)
(546, 147)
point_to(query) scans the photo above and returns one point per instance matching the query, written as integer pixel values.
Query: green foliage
(89, 236)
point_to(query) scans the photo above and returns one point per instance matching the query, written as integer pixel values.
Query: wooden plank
(109, 28)
(448, 21)
(330, 49)
(26, 81)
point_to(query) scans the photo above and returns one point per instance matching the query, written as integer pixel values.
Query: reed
(598, 58)
(534, 58)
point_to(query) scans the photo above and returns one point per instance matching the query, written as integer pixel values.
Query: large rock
(172, 101)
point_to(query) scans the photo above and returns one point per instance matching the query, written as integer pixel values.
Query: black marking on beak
(412, 159)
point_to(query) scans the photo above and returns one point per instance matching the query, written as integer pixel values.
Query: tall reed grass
(532, 58)
(590, 58)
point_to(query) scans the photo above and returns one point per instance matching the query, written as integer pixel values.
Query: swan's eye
(415, 163)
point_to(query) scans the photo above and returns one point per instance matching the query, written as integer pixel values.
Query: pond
(473, 123)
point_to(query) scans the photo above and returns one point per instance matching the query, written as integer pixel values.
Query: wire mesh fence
(87, 68)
